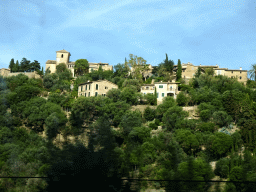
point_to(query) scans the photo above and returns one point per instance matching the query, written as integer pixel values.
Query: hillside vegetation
(105, 139)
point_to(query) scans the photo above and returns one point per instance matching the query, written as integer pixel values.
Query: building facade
(95, 88)
(189, 70)
(63, 56)
(163, 89)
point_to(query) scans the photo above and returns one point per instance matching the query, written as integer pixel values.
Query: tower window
(61, 55)
(240, 77)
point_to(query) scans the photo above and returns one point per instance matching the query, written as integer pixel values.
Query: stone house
(63, 56)
(95, 88)
(240, 74)
(189, 70)
(163, 89)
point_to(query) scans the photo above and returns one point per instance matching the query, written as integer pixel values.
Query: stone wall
(29, 74)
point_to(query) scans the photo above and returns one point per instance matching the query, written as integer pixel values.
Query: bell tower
(62, 56)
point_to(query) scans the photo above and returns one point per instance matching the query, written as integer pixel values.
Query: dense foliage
(45, 130)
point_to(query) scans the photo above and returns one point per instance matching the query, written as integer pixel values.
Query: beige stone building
(189, 70)
(95, 88)
(7, 73)
(63, 56)
(163, 89)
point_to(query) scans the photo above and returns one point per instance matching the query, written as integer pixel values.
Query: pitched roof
(63, 51)
(50, 62)
(97, 81)
(148, 85)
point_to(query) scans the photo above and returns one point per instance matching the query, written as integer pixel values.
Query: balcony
(147, 88)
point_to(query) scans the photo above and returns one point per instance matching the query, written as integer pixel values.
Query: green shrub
(149, 114)
(222, 168)
(206, 126)
(44, 93)
(157, 122)
(153, 126)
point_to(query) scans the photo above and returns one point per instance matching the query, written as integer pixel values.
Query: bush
(157, 122)
(150, 99)
(205, 115)
(206, 127)
(149, 114)
(44, 93)
(221, 118)
(222, 168)
(181, 99)
(153, 126)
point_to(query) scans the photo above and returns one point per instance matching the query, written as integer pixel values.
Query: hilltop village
(111, 124)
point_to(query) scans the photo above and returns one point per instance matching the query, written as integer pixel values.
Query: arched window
(62, 56)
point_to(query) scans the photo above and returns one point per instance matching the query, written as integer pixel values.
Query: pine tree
(179, 70)
(12, 65)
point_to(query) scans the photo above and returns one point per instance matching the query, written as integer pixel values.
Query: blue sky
(206, 32)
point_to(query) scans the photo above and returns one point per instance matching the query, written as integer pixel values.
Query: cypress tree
(168, 64)
(12, 64)
(179, 70)
(16, 67)
(155, 97)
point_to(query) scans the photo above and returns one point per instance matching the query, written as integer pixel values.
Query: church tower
(62, 56)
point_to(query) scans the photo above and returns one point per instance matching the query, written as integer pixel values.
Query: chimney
(200, 64)
(88, 81)
(240, 68)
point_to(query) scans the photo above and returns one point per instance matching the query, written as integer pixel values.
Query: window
(96, 86)
(91, 70)
(104, 95)
(162, 94)
(171, 87)
(157, 95)
(89, 94)
(184, 76)
(240, 71)
(147, 88)
(96, 93)
(89, 87)
(62, 56)
(144, 93)
(81, 88)
(183, 70)
(106, 87)
(85, 94)
(160, 86)
(231, 71)
(240, 77)
(86, 87)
